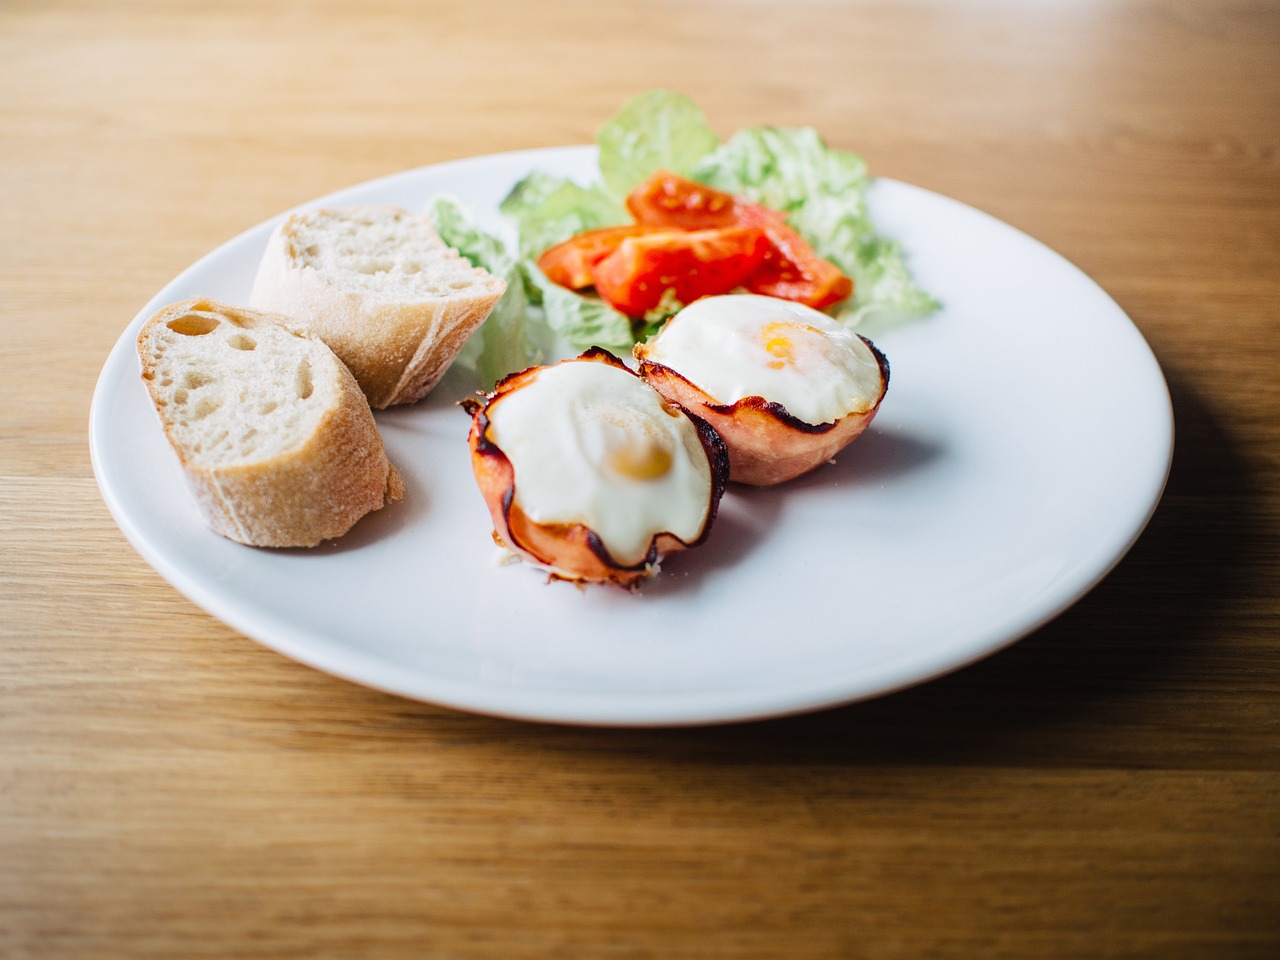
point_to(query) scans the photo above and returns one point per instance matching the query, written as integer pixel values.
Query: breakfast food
(785, 385)
(589, 473)
(379, 286)
(277, 442)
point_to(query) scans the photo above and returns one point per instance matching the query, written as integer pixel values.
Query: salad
(658, 153)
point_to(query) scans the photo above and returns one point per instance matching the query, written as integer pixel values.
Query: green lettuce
(505, 342)
(884, 292)
(792, 171)
(656, 130)
(578, 320)
(547, 209)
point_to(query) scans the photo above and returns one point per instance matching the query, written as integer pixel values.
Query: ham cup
(590, 474)
(784, 385)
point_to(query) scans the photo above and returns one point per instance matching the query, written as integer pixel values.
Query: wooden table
(1110, 786)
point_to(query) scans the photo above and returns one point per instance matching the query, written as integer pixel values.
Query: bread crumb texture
(235, 389)
(382, 251)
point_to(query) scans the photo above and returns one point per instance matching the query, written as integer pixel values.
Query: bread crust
(397, 350)
(295, 498)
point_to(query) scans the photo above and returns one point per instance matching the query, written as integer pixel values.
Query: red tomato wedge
(570, 263)
(670, 200)
(690, 263)
(790, 270)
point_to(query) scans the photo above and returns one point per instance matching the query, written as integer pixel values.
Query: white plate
(1023, 445)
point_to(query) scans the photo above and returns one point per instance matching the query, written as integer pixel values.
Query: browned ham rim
(770, 407)
(499, 473)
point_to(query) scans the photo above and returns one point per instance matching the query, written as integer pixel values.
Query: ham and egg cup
(590, 474)
(783, 384)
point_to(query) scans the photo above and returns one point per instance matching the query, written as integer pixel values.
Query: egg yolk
(637, 451)
(779, 340)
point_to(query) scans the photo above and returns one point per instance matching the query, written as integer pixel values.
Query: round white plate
(1022, 447)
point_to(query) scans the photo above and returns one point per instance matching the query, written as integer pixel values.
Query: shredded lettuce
(789, 170)
(547, 209)
(884, 293)
(580, 321)
(656, 130)
(822, 192)
(504, 343)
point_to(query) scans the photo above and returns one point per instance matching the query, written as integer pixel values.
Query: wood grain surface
(1108, 787)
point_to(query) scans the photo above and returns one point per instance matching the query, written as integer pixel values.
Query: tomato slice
(671, 200)
(790, 269)
(690, 263)
(570, 263)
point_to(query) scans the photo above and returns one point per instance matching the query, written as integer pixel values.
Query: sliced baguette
(277, 442)
(379, 286)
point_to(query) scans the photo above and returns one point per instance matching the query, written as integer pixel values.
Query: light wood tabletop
(1109, 786)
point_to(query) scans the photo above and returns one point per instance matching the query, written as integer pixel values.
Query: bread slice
(380, 287)
(278, 443)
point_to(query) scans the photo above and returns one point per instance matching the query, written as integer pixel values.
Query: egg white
(743, 345)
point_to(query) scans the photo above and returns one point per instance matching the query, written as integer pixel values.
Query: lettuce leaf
(505, 341)
(581, 321)
(656, 130)
(517, 334)
(546, 209)
(790, 170)
(884, 291)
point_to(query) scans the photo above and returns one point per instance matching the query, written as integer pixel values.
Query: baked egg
(783, 384)
(589, 473)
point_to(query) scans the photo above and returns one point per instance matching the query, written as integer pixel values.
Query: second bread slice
(379, 286)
